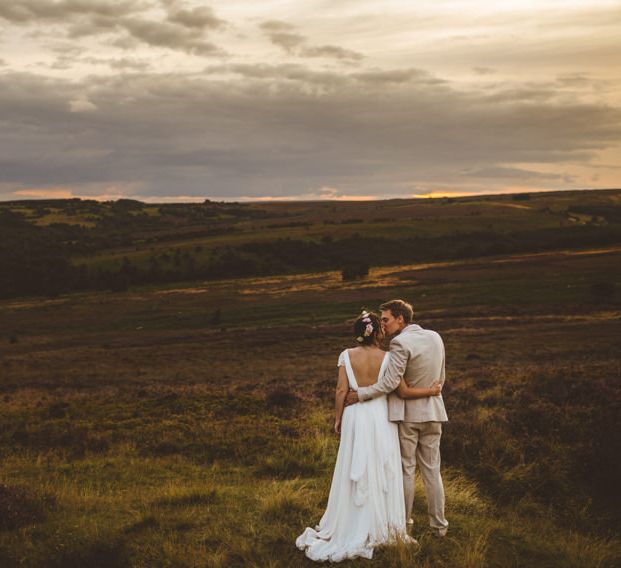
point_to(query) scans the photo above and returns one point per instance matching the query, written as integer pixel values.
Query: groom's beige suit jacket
(416, 354)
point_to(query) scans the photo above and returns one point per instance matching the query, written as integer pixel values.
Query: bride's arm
(405, 391)
(342, 387)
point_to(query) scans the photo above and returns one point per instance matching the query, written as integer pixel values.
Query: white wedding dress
(366, 506)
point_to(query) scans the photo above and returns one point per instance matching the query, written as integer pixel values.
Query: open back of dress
(351, 377)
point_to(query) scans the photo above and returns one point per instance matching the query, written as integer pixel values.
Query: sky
(182, 100)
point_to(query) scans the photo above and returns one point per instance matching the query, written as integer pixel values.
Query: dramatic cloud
(171, 35)
(267, 136)
(284, 35)
(37, 11)
(201, 17)
(178, 29)
(162, 98)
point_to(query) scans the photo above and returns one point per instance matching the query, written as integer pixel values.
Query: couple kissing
(389, 415)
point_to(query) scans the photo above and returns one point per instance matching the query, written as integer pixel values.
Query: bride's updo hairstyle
(367, 328)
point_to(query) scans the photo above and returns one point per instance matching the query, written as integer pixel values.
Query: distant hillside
(54, 246)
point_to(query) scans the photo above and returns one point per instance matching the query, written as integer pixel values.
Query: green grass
(389, 219)
(136, 432)
(168, 512)
(88, 221)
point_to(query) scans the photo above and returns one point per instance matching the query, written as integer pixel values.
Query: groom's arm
(391, 377)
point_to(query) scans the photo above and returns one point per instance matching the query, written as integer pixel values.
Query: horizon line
(168, 200)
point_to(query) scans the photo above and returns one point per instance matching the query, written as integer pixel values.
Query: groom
(417, 355)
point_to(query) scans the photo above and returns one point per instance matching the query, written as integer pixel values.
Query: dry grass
(145, 439)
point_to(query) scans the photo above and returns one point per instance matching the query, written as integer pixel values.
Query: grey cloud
(265, 134)
(65, 49)
(183, 29)
(93, 25)
(151, 32)
(605, 166)
(520, 93)
(125, 42)
(484, 70)
(201, 17)
(29, 11)
(284, 36)
(305, 76)
(574, 79)
(120, 63)
(333, 51)
(288, 41)
(125, 63)
(511, 173)
(62, 63)
(276, 26)
(173, 36)
(381, 77)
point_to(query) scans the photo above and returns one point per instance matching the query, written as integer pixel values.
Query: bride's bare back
(366, 363)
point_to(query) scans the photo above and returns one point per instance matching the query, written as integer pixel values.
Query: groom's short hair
(399, 308)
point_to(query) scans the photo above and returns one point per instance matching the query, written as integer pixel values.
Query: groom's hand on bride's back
(351, 398)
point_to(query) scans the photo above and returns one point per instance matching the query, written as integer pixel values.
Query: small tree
(521, 196)
(355, 271)
(216, 318)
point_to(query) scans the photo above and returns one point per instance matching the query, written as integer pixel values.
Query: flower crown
(368, 330)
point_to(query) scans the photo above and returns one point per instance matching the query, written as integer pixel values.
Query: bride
(366, 505)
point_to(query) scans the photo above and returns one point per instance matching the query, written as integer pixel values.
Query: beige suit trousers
(420, 445)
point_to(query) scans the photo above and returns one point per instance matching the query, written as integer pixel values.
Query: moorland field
(167, 375)
(58, 246)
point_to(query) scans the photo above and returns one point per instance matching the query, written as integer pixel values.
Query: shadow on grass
(20, 506)
(103, 553)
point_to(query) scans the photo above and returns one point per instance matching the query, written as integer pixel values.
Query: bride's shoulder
(342, 356)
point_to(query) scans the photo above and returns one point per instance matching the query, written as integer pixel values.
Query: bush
(19, 507)
(537, 447)
(281, 398)
(355, 271)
